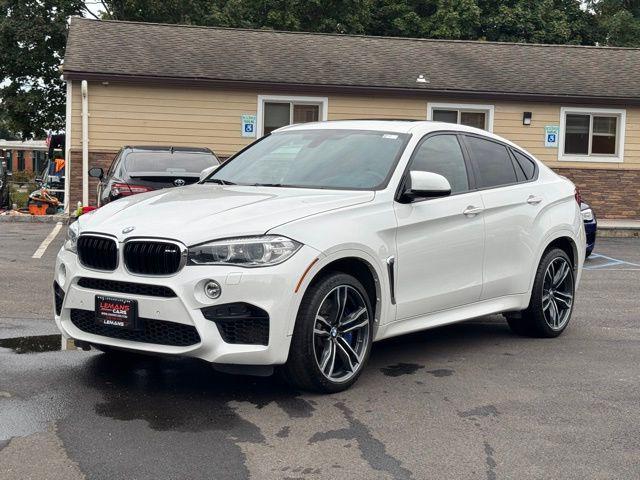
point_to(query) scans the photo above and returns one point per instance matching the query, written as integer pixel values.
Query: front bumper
(268, 288)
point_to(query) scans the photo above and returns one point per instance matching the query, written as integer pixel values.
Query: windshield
(166, 162)
(332, 159)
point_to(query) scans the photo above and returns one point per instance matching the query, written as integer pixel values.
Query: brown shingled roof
(110, 50)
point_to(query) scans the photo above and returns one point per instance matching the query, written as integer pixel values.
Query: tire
(552, 299)
(320, 329)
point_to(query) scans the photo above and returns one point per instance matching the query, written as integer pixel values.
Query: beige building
(575, 108)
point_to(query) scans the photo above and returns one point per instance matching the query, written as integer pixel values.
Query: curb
(34, 218)
(618, 232)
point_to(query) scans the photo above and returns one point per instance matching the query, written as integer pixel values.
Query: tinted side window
(493, 163)
(526, 165)
(114, 163)
(442, 154)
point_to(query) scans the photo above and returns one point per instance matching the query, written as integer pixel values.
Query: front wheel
(332, 337)
(552, 297)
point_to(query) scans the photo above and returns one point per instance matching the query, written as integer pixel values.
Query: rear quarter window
(492, 162)
(525, 165)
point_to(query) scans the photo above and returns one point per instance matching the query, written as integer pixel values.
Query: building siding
(140, 114)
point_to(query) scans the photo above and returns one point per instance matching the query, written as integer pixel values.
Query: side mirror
(207, 171)
(427, 184)
(96, 173)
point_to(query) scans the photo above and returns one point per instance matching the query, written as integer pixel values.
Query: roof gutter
(305, 87)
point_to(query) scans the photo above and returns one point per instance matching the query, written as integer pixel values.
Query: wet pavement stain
(491, 463)
(372, 450)
(34, 344)
(283, 432)
(146, 404)
(441, 372)
(401, 369)
(482, 411)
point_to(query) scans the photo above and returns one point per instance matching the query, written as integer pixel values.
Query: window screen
(576, 138)
(493, 164)
(276, 115)
(448, 116)
(441, 154)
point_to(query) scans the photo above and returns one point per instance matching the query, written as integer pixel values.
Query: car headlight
(587, 215)
(71, 244)
(259, 251)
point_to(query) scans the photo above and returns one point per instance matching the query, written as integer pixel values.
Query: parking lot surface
(465, 401)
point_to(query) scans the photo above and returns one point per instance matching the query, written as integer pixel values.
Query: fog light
(61, 278)
(212, 289)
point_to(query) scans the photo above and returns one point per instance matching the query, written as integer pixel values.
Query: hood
(199, 213)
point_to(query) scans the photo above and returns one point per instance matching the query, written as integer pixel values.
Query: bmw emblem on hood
(178, 182)
(128, 229)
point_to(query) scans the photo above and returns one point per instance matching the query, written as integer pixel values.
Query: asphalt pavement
(469, 401)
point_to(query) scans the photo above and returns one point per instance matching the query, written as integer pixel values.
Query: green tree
(618, 22)
(544, 21)
(32, 41)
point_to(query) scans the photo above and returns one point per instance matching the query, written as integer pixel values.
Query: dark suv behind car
(142, 169)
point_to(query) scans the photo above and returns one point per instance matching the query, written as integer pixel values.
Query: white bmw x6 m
(318, 240)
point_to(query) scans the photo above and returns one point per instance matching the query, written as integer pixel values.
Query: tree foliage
(32, 41)
(33, 32)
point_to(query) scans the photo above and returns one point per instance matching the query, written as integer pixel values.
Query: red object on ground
(38, 208)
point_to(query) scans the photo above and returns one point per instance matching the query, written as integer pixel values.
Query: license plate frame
(116, 312)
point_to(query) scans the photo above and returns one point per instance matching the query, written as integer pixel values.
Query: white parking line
(45, 243)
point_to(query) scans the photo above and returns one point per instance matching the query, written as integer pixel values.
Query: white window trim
(323, 102)
(488, 109)
(622, 120)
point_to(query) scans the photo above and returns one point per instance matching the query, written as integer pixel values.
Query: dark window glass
(604, 135)
(276, 115)
(165, 162)
(306, 113)
(492, 161)
(20, 160)
(473, 119)
(576, 137)
(448, 116)
(526, 165)
(442, 155)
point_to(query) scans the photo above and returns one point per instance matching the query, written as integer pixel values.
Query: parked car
(321, 238)
(590, 226)
(141, 169)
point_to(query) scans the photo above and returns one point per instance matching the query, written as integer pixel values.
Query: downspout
(85, 143)
(67, 147)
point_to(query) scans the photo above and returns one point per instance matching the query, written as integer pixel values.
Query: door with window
(512, 202)
(429, 279)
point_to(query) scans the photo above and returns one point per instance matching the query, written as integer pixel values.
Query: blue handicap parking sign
(248, 127)
(551, 138)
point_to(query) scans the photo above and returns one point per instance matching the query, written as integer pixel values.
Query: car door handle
(534, 200)
(472, 211)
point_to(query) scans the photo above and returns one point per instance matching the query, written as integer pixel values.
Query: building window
(591, 134)
(479, 116)
(275, 111)
(21, 160)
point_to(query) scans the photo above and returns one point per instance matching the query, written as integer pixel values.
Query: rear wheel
(332, 337)
(552, 297)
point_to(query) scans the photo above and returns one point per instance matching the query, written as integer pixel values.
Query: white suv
(318, 240)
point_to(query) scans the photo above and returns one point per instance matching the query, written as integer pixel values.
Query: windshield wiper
(266, 185)
(219, 181)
